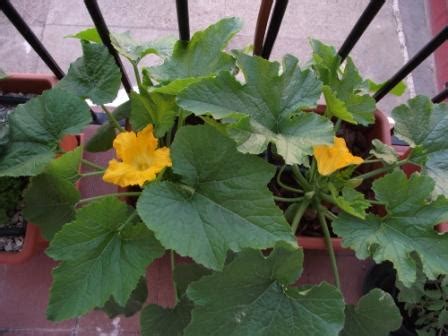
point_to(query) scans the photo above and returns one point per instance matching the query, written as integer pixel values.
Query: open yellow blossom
(333, 157)
(141, 160)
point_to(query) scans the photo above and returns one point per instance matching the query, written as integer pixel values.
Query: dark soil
(359, 144)
(12, 222)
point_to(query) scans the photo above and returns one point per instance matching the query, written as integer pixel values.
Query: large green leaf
(51, 196)
(159, 321)
(407, 231)
(104, 136)
(99, 258)
(95, 75)
(202, 55)
(132, 306)
(134, 51)
(156, 320)
(252, 296)
(36, 128)
(429, 141)
(375, 315)
(269, 104)
(221, 203)
(344, 91)
(153, 108)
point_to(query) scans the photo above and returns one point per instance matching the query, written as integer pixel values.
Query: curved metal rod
(183, 20)
(274, 27)
(260, 28)
(427, 50)
(360, 27)
(103, 31)
(20, 24)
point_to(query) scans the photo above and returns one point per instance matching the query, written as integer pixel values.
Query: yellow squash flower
(333, 157)
(141, 160)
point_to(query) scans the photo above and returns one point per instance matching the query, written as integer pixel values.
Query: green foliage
(36, 129)
(220, 197)
(202, 56)
(384, 152)
(89, 34)
(252, 296)
(221, 202)
(103, 138)
(267, 105)
(103, 253)
(398, 90)
(426, 303)
(134, 51)
(2, 74)
(51, 196)
(132, 306)
(375, 315)
(407, 234)
(11, 189)
(95, 75)
(153, 108)
(343, 91)
(423, 125)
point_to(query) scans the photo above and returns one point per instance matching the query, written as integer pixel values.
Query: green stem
(94, 173)
(299, 214)
(137, 75)
(327, 198)
(284, 186)
(112, 119)
(327, 237)
(288, 200)
(173, 268)
(376, 202)
(382, 170)
(118, 194)
(330, 215)
(312, 169)
(300, 178)
(371, 161)
(92, 164)
(337, 125)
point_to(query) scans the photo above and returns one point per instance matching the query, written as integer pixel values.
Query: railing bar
(262, 22)
(103, 31)
(360, 27)
(20, 24)
(427, 50)
(183, 20)
(441, 96)
(274, 27)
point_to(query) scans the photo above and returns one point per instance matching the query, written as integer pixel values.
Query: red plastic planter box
(31, 83)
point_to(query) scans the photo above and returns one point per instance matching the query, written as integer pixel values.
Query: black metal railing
(265, 37)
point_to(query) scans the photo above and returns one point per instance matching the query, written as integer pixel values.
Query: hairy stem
(299, 214)
(118, 194)
(283, 185)
(112, 119)
(300, 178)
(92, 164)
(327, 237)
(137, 75)
(288, 200)
(94, 173)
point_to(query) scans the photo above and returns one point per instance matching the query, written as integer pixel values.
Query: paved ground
(398, 31)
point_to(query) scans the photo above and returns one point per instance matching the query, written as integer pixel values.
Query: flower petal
(333, 157)
(128, 144)
(124, 174)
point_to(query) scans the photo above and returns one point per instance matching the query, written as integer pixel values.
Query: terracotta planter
(317, 267)
(31, 83)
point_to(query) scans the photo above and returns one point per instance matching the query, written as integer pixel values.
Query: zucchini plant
(220, 160)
